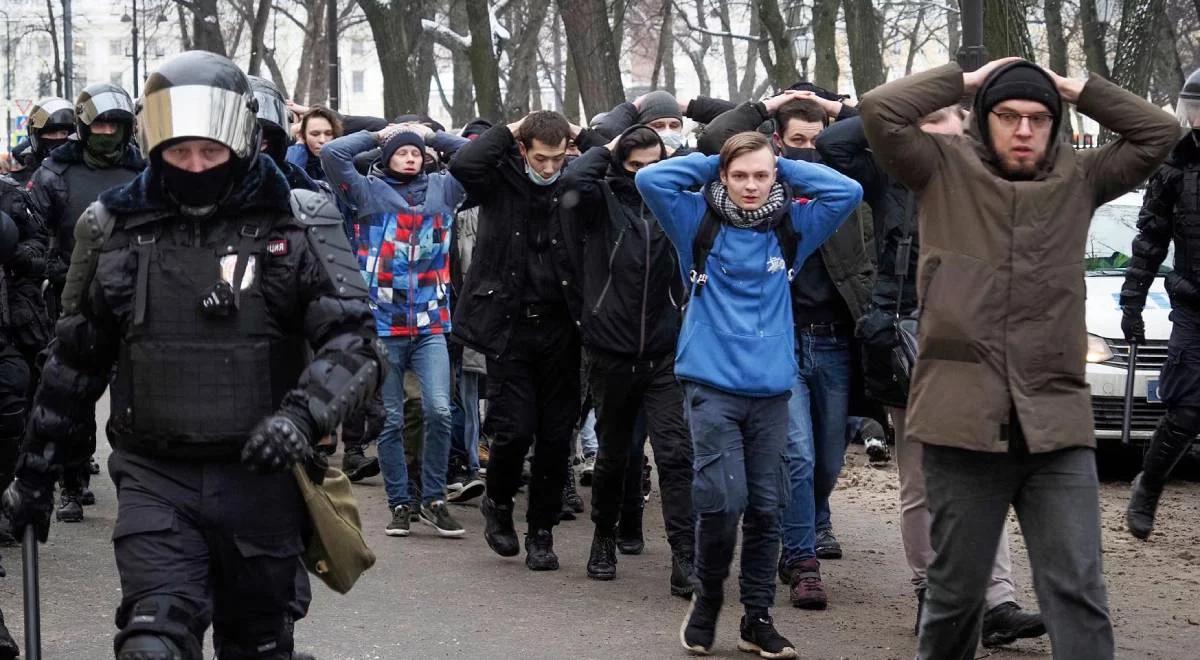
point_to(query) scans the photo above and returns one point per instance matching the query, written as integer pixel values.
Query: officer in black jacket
(14, 380)
(1170, 213)
(632, 292)
(202, 281)
(71, 178)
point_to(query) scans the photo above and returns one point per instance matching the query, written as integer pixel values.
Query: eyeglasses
(1012, 119)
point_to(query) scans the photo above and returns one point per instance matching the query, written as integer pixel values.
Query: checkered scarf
(740, 217)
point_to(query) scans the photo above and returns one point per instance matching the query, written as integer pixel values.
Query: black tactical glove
(28, 259)
(29, 499)
(1133, 326)
(275, 445)
(219, 301)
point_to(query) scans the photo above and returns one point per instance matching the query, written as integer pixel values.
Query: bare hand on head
(637, 103)
(1068, 88)
(300, 110)
(775, 102)
(973, 79)
(516, 125)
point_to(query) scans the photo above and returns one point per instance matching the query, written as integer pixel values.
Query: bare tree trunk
(185, 39)
(596, 59)
(728, 48)
(571, 92)
(746, 89)
(1005, 32)
(1167, 70)
(426, 63)
(619, 7)
(953, 28)
(462, 106)
(699, 55)
(206, 27)
(313, 21)
(397, 30)
(825, 70)
(785, 72)
(53, 29)
(1055, 39)
(696, 55)
(485, 70)
(666, 34)
(522, 79)
(258, 31)
(914, 43)
(1135, 47)
(1094, 49)
(865, 38)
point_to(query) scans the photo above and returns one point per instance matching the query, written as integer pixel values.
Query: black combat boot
(539, 550)
(572, 502)
(70, 509)
(86, 496)
(602, 564)
(681, 575)
(629, 532)
(357, 465)
(1168, 445)
(498, 529)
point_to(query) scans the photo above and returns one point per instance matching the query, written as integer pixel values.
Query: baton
(33, 624)
(1129, 379)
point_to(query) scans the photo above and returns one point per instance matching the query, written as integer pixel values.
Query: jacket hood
(616, 166)
(978, 132)
(263, 188)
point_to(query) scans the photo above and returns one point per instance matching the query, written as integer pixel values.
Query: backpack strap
(702, 244)
(904, 249)
(789, 243)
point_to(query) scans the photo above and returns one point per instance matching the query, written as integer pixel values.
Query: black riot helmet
(272, 117)
(1187, 108)
(9, 237)
(49, 114)
(198, 95)
(103, 102)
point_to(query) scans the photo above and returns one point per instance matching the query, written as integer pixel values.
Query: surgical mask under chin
(800, 153)
(538, 179)
(672, 139)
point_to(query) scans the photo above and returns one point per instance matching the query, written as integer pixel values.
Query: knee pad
(1184, 420)
(152, 620)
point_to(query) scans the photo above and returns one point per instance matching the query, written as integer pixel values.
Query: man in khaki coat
(998, 396)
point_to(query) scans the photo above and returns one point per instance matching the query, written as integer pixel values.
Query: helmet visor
(114, 102)
(271, 108)
(197, 111)
(1188, 112)
(52, 112)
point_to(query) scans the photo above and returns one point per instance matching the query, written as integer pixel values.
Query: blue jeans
(817, 414)
(739, 471)
(589, 444)
(427, 356)
(468, 394)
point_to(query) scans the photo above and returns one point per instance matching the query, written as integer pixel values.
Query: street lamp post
(972, 54)
(804, 44)
(134, 33)
(8, 76)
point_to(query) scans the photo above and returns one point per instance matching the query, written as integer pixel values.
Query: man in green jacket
(998, 396)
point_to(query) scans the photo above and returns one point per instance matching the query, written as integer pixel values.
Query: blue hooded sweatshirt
(738, 336)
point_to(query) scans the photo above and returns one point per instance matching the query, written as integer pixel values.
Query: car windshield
(1110, 238)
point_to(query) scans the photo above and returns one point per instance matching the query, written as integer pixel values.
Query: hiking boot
(588, 469)
(920, 611)
(539, 550)
(681, 576)
(8, 647)
(359, 466)
(436, 515)
(498, 528)
(827, 545)
(470, 489)
(699, 627)
(602, 564)
(759, 636)
(70, 509)
(1007, 622)
(401, 519)
(572, 502)
(629, 533)
(808, 591)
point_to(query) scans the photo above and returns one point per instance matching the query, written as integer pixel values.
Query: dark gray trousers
(1056, 498)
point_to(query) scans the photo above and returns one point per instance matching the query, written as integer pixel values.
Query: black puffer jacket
(23, 320)
(632, 286)
(301, 299)
(493, 174)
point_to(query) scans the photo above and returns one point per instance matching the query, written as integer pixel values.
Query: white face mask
(538, 179)
(671, 139)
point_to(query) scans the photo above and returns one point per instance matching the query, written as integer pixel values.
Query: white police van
(1110, 242)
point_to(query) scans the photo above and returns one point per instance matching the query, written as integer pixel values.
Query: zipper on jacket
(612, 257)
(645, 282)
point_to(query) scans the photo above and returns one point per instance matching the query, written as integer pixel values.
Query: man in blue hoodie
(402, 238)
(736, 355)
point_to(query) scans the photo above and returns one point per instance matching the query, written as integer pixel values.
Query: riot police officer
(273, 121)
(70, 178)
(205, 266)
(51, 121)
(1170, 212)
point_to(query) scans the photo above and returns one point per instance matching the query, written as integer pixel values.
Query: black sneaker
(699, 627)
(359, 466)
(602, 564)
(468, 490)
(827, 545)
(1007, 622)
(437, 516)
(401, 519)
(681, 576)
(759, 636)
(539, 551)
(70, 509)
(498, 528)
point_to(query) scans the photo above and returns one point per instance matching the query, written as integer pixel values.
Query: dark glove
(1133, 326)
(56, 270)
(28, 259)
(275, 445)
(29, 499)
(219, 301)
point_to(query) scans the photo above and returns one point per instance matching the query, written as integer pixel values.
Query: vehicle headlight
(1098, 350)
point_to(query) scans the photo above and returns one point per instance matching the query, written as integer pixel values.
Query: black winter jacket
(632, 287)
(301, 298)
(23, 322)
(748, 116)
(493, 174)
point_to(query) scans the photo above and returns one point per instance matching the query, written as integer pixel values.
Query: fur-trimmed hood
(262, 188)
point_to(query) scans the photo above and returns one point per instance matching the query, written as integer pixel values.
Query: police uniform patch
(277, 247)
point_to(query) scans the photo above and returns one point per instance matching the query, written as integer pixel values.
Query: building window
(115, 48)
(356, 47)
(356, 82)
(115, 78)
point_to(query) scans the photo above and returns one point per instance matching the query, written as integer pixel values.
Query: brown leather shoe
(808, 591)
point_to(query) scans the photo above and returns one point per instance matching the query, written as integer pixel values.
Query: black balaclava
(198, 190)
(46, 145)
(808, 155)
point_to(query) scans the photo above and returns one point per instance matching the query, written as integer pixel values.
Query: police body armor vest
(190, 385)
(1187, 227)
(84, 186)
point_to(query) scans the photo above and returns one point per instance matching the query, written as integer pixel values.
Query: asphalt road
(429, 597)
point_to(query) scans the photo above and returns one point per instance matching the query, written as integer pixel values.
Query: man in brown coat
(998, 396)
